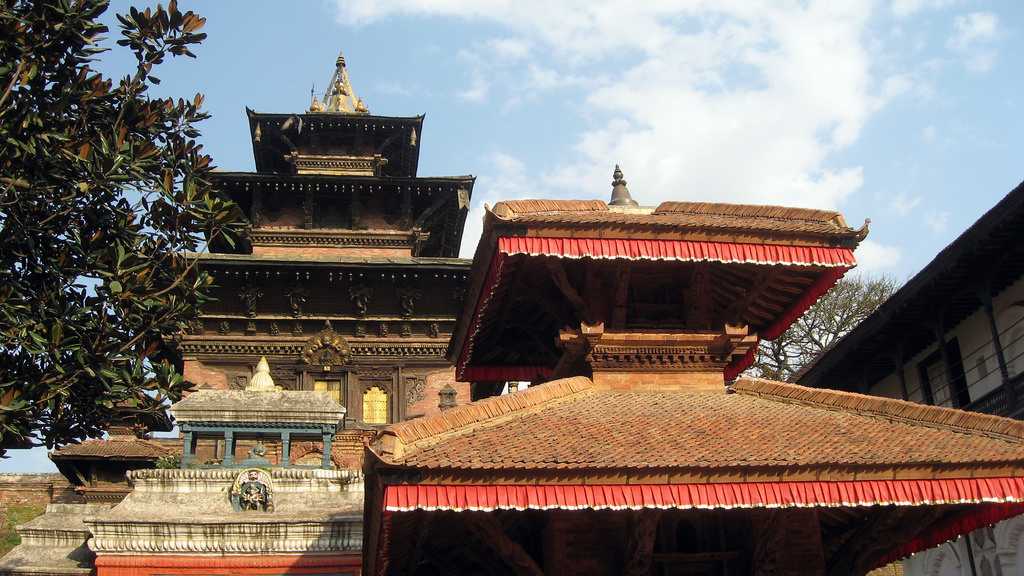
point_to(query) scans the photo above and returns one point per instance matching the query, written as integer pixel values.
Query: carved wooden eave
(276, 135)
(256, 264)
(325, 237)
(337, 165)
(690, 351)
(204, 347)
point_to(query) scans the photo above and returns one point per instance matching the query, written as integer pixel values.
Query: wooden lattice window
(332, 387)
(375, 406)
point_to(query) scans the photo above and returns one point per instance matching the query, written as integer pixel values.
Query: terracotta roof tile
(509, 207)
(578, 425)
(686, 216)
(751, 210)
(115, 447)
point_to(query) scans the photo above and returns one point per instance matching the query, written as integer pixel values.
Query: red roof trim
(683, 250)
(950, 528)
(404, 498)
(823, 284)
(486, 293)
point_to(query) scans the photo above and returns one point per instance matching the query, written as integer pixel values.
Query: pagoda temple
(639, 449)
(349, 280)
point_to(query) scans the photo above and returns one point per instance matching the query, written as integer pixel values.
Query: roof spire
(339, 97)
(620, 194)
(261, 380)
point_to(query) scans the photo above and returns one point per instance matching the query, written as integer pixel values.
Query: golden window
(375, 406)
(332, 387)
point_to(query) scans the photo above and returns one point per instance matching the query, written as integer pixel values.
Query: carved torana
(326, 349)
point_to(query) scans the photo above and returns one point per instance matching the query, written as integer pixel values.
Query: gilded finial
(340, 96)
(620, 193)
(262, 380)
(314, 104)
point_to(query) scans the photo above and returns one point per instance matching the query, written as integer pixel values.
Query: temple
(348, 282)
(638, 448)
(248, 515)
(360, 404)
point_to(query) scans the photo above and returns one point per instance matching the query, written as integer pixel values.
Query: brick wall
(34, 489)
(435, 381)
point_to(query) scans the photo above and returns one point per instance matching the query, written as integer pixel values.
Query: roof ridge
(486, 410)
(510, 208)
(752, 210)
(891, 408)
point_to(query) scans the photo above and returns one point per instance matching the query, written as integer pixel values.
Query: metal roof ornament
(620, 193)
(340, 96)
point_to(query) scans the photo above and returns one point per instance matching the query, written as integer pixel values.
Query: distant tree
(103, 189)
(847, 304)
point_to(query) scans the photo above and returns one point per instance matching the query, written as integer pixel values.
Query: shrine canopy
(719, 276)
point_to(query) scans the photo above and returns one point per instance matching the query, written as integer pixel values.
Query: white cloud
(903, 204)
(477, 90)
(904, 8)
(503, 178)
(874, 257)
(725, 99)
(928, 133)
(973, 28)
(511, 49)
(937, 222)
(972, 38)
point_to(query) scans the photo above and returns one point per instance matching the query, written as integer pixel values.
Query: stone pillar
(286, 449)
(328, 436)
(189, 453)
(229, 447)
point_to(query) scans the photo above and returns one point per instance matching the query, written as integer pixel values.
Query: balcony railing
(998, 402)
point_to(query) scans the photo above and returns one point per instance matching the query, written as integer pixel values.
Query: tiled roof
(684, 215)
(115, 447)
(575, 424)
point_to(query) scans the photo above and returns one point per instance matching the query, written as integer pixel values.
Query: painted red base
(340, 564)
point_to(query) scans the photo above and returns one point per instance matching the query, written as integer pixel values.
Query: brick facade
(34, 489)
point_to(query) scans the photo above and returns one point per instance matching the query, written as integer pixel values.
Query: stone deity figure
(252, 493)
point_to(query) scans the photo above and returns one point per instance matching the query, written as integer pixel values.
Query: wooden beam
(620, 301)
(640, 543)
(561, 280)
(485, 526)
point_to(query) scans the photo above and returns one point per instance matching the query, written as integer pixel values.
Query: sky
(907, 112)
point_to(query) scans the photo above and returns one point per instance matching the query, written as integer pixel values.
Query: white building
(952, 336)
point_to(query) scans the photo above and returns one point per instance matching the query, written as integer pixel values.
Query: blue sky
(908, 112)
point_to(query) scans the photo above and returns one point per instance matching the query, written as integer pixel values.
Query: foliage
(169, 461)
(12, 516)
(104, 198)
(849, 302)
